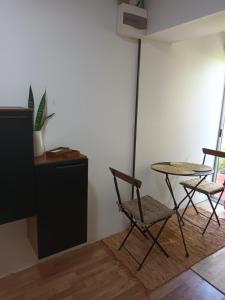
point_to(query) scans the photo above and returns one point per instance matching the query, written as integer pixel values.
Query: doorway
(219, 175)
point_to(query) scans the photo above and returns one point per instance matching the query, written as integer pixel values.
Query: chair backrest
(215, 153)
(130, 180)
(212, 152)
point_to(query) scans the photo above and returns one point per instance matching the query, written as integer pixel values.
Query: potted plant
(39, 121)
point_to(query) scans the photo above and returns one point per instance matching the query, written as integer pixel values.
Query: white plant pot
(39, 148)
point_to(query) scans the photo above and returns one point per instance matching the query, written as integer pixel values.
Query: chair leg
(153, 244)
(152, 237)
(190, 196)
(157, 243)
(217, 218)
(213, 212)
(143, 232)
(126, 237)
(180, 217)
(186, 207)
(195, 208)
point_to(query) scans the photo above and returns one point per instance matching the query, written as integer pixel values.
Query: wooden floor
(153, 274)
(92, 272)
(88, 273)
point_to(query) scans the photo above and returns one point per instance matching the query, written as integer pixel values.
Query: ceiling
(211, 24)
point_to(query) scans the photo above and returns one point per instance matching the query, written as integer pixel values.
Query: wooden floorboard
(94, 272)
(88, 273)
(158, 269)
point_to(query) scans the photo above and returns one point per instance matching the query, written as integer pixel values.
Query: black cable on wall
(136, 113)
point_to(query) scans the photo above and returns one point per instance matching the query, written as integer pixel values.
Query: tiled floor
(187, 286)
(212, 269)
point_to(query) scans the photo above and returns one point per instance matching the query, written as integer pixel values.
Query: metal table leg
(179, 219)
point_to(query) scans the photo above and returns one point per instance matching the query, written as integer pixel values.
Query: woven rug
(158, 269)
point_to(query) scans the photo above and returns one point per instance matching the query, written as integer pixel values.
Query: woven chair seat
(153, 210)
(205, 187)
(142, 213)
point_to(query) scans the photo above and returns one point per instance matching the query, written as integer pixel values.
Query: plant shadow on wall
(39, 122)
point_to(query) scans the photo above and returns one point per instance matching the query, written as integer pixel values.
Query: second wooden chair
(142, 212)
(206, 187)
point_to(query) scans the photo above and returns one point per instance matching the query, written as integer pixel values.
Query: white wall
(71, 49)
(181, 88)
(164, 14)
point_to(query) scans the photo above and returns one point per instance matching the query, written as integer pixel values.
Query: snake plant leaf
(40, 113)
(47, 118)
(31, 99)
(44, 114)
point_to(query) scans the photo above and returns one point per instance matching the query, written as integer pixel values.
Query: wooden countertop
(44, 159)
(14, 108)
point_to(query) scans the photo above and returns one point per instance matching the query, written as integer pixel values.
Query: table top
(182, 168)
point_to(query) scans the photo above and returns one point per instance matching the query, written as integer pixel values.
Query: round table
(182, 169)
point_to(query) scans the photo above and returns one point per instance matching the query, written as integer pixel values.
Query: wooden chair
(143, 212)
(206, 187)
